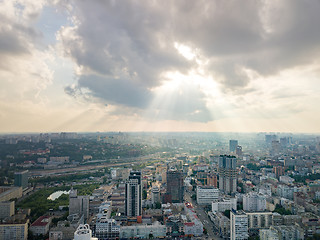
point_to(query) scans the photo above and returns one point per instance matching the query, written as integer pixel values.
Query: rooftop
(41, 221)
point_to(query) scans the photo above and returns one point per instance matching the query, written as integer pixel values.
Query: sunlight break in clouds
(159, 65)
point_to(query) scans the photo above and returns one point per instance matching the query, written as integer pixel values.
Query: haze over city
(216, 66)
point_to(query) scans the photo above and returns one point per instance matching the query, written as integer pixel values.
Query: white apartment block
(207, 194)
(224, 204)
(143, 231)
(254, 202)
(238, 225)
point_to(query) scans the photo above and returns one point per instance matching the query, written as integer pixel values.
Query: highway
(207, 224)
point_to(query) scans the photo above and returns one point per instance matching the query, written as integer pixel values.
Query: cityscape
(179, 120)
(160, 186)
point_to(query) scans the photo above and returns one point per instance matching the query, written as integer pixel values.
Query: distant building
(212, 180)
(278, 171)
(21, 179)
(254, 202)
(175, 186)
(286, 179)
(107, 228)
(6, 209)
(133, 195)
(257, 220)
(238, 225)
(17, 231)
(78, 204)
(155, 195)
(83, 232)
(61, 233)
(270, 138)
(41, 225)
(227, 174)
(239, 151)
(206, 194)
(292, 232)
(143, 231)
(233, 145)
(268, 234)
(224, 204)
(222, 223)
(8, 193)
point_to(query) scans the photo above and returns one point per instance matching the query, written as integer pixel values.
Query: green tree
(227, 213)
(144, 194)
(158, 205)
(194, 196)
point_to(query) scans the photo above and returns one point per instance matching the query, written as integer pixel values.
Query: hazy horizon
(159, 66)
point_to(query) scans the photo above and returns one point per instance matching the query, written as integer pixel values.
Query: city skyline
(218, 66)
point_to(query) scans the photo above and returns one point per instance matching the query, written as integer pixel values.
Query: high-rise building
(270, 138)
(278, 171)
(212, 180)
(233, 145)
(21, 179)
(239, 151)
(238, 225)
(155, 195)
(175, 186)
(133, 202)
(227, 174)
(78, 204)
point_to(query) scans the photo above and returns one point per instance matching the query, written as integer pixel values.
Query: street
(207, 224)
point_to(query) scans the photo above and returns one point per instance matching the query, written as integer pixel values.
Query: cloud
(24, 71)
(123, 49)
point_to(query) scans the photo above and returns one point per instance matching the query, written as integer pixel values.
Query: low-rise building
(8, 193)
(222, 224)
(6, 209)
(292, 232)
(224, 204)
(145, 231)
(83, 232)
(41, 225)
(61, 233)
(207, 194)
(253, 201)
(268, 234)
(106, 228)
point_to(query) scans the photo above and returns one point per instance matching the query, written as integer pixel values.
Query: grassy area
(68, 178)
(39, 203)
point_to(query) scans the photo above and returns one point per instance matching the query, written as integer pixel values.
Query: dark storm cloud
(123, 47)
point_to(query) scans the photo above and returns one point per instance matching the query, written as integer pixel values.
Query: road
(207, 224)
(111, 163)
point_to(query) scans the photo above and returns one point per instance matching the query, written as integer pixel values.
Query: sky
(207, 66)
